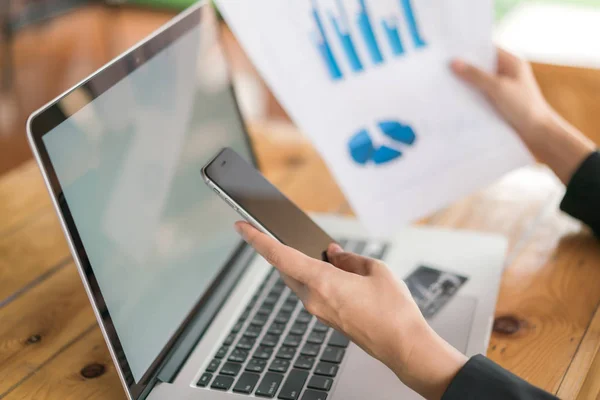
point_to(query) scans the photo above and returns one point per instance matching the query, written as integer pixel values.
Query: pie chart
(363, 150)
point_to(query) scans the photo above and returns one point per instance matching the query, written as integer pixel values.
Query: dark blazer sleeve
(481, 378)
(582, 199)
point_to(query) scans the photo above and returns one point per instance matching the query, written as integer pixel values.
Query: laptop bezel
(53, 114)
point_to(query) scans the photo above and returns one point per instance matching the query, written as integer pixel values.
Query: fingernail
(335, 248)
(239, 230)
(458, 65)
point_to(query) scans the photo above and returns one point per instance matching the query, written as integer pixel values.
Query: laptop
(188, 311)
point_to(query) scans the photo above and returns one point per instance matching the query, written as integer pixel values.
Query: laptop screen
(129, 166)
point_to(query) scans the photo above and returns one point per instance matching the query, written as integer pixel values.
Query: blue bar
(341, 28)
(325, 49)
(412, 24)
(393, 37)
(366, 29)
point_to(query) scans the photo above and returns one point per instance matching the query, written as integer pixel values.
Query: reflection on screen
(129, 165)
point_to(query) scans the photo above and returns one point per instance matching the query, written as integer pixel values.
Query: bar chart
(372, 35)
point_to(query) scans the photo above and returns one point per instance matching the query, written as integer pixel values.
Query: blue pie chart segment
(361, 147)
(385, 154)
(398, 132)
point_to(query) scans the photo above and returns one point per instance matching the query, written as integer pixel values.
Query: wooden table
(548, 320)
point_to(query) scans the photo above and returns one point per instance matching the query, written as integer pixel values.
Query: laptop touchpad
(453, 322)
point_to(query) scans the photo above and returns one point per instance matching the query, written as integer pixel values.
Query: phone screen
(266, 204)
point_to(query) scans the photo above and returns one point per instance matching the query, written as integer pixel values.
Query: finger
(474, 76)
(350, 262)
(290, 262)
(334, 248)
(509, 64)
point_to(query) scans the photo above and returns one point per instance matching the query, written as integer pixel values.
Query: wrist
(534, 130)
(560, 146)
(430, 364)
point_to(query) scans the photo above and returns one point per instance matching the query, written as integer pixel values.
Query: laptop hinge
(198, 325)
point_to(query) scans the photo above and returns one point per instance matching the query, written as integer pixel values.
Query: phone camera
(223, 163)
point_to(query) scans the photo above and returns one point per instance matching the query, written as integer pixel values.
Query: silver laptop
(187, 309)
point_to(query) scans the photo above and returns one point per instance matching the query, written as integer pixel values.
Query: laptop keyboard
(277, 349)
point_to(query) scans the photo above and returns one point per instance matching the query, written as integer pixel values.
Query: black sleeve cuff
(481, 378)
(582, 200)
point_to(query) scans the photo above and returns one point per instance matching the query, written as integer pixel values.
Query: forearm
(560, 145)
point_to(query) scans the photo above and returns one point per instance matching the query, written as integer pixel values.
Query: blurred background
(46, 46)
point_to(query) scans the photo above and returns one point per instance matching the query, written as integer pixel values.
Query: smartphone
(260, 203)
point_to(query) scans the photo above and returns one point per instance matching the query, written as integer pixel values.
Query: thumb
(474, 76)
(349, 262)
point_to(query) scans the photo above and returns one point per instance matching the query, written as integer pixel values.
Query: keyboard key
(237, 327)
(304, 362)
(292, 297)
(342, 242)
(276, 329)
(231, 368)
(213, 366)
(265, 310)
(314, 395)
(238, 355)
(279, 282)
(338, 340)
(222, 382)
(283, 317)
(316, 338)
(263, 353)
(310, 350)
(293, 385)
(320, 382)
(259, 320)
(229, 339)
(326, 369)
(298, 329)
(288, 307)
(269, 385)
(205, 379)
(271, 299)
(246, 383)
(270, 340)
(320, 327)
(304, 317)
(279, 365)
(292, 340)
(286, 353)
(359, 247)
(277, 289)
(253, 331)
(255, 365)
(222, 352)
(333, 354)
(245, 343)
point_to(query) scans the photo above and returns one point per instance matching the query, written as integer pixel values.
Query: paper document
(369, 82)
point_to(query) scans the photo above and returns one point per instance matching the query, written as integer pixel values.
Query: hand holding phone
(249, 193)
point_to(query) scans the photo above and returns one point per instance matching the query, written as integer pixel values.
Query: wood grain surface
(583, 378)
